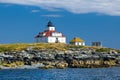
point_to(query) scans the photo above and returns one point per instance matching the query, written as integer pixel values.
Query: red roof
(47, 33)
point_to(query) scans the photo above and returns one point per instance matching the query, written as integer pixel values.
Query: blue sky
(92, 21)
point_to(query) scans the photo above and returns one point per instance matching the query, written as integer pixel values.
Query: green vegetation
(45, 46)
(76, 47)
(12, 47)
(48, 47)
(103, 50)
(118, 51)
(23, 46)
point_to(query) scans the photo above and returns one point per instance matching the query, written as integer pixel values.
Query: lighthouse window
(50, 39)
(51, 28)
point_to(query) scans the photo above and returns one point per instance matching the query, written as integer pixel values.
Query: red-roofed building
(50, 35)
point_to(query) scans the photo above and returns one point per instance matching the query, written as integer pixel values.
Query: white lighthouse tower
(50, 26)
(50, 35)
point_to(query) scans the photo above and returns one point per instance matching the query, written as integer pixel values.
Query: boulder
(61, 65)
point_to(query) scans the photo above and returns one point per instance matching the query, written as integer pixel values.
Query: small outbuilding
(77, 41)
(97, 44)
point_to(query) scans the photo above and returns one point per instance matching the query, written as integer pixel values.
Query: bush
(103, 50)
(118, 51)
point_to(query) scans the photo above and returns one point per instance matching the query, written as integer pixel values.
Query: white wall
(53, 39)
(56, 34)
(83, 43)
(50, 28)
(62, 39)
(80, 43)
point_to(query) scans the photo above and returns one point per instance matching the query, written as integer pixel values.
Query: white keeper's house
(50, 35)
(77, 41)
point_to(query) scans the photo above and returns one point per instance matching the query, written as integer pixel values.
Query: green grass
(46, 46)
(118, 51)
(76, 47)
(103, 50)
(23, 46)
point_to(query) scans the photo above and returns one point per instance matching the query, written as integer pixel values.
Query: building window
(50, 39)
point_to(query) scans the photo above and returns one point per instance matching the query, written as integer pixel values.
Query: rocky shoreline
(49, 58)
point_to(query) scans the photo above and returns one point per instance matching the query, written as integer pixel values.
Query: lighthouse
(50, 35)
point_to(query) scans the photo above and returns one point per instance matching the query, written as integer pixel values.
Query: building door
(57, 41)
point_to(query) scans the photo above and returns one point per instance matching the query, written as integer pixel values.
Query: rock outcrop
(74, 58)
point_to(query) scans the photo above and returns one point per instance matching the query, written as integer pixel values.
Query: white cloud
(35, 11)
(108, 7)
(52, 15)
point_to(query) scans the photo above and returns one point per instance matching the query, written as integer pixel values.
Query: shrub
(103, 50)
(118, 51)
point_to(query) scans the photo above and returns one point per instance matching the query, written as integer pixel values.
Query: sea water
(61, 74)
